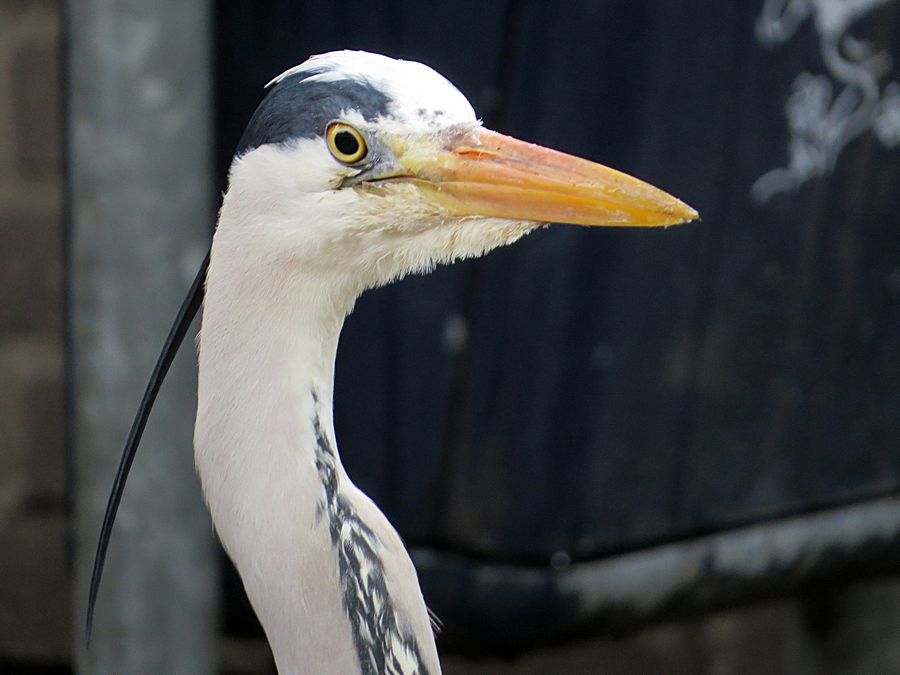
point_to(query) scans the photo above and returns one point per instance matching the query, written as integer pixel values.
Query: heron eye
(345, 143)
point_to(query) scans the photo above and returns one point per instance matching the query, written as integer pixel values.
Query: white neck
(267, 458)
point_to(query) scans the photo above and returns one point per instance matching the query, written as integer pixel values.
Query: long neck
(268, 343)
(297, 529)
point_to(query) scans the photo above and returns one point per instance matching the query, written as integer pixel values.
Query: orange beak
(478, 172)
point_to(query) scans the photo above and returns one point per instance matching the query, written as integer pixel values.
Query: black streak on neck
(365, 595)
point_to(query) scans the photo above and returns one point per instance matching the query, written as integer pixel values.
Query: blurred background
(609, 451)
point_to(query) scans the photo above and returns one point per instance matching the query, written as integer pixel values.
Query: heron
(355, 170)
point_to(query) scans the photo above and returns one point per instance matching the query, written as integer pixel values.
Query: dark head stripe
(300, 107)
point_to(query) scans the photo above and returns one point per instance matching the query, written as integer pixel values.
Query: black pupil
(346, 143)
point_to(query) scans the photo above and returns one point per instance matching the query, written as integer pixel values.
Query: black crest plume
(179, 329)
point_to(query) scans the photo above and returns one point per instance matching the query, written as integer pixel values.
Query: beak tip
(683, 213)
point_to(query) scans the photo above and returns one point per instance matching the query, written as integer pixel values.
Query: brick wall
(34, 578)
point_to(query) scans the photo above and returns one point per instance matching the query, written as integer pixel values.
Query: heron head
(375, 167)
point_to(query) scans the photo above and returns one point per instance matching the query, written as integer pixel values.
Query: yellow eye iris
(345, 143)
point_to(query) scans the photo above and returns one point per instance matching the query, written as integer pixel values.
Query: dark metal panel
(724, 345)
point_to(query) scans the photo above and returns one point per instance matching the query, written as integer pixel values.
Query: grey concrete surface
(141, 214)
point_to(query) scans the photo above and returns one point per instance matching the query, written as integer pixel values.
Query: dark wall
(596, 391)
